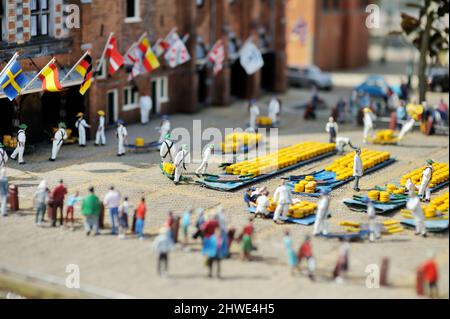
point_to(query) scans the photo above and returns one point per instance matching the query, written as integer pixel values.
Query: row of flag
(141, 58)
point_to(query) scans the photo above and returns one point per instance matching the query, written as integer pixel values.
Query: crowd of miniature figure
(216, 236)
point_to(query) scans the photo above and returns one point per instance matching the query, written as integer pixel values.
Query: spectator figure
(90, 208)
(292, 257)
(429, 275)
(40, 199)
(162, 245)
(71, 202)
(342, 264)
(4, 189)
(199, 224)
(215, 249)
(123, 218)
(57, 195)
(305, 252)
(140, 218)
(247, 240)
(185, 223)
(112, 202)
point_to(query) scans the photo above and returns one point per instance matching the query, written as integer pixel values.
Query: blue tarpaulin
(435, 226)
(307, 221)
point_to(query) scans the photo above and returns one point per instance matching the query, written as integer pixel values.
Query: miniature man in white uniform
(181, 161)
(3, 156)
(415, 206)
(167, 150)
(262, 205)
(323, 206)
(427, 176)
(369, 117)
(274, 109)
(342, 142)
(283, 198)
(201, 170)
(164, 129)
(121, 134)
(100, 138)
(357, 169)
(146, 105)
(81, 125)
(21, 140)
(58, 140)
(254, 113)
(332, 129)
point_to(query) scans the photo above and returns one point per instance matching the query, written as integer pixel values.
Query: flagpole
(171, 31)
(37, 75)
(102, 58)
(9, 63)
(75, 65)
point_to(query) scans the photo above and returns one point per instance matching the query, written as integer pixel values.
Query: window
(200, 3)
(100, 70)
(132, 11)
(39, 17)
(130, 98)
(163, 90)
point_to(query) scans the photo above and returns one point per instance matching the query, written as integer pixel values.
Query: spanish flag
(84, 68)
(150, 61)
(50, 78)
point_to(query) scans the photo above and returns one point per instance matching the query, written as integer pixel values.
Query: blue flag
(13, 80)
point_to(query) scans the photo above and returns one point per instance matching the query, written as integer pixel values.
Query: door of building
(113, 106)
(159, 93)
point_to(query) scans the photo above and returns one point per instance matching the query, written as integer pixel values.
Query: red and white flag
(160, 47)
(177, 53)
(217, 56)
(116, 60)
(130, 56)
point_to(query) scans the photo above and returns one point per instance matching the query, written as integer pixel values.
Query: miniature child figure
(247, 240)
(71, 201)
(123, 218)
(305, 251)
(162, 245)
(140, 218)
(292, 257)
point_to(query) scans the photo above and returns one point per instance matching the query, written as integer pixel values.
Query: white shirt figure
(112, 199)
(262, 205)
(121, 138)
(146, 105)
(181, 162)
(341, 143)
(100, 138)
(164, 130)
(274, 110)
(20, 149)
(424, 189)
(58, 141)
(167, 151)
(369, 117)
(201, 170)
(254, 113)
(3, 157)
(415, 207)
(81, 125)
(321, 225)
(283, 198)
(357, 166)
(410, 186)
(406, 128)
(332, 128)
(374, 232)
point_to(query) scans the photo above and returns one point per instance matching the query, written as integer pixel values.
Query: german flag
(83, 66)
(50, 78)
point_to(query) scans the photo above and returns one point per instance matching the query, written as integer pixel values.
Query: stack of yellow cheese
(233, 142)
(437, 206)
(9, 141)
(374, 195)
(302, 209)
(390, 226)
(311, 187)
(264, 121)
(440, 175)
(343, 166)
(139, 142)
(283, 158)
(441, 202)
(169, 168)
(384, 136)
(385, 197)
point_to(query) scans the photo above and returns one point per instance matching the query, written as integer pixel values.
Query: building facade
(333, 33)
(38, 30)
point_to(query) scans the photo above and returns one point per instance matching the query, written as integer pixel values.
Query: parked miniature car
(377, 87)
(438, 79)
(309, 76)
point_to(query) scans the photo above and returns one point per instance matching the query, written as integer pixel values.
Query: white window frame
(103, 69)
(163, 94)
(137, 12)
(39, 13)
(127, 106)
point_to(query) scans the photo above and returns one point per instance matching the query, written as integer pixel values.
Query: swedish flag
(13, 80)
